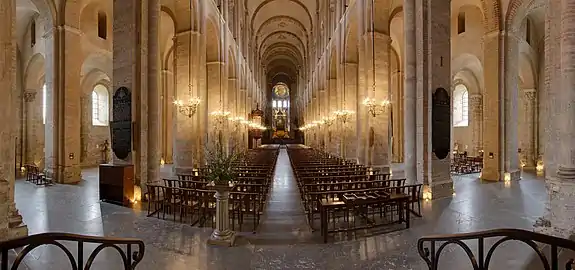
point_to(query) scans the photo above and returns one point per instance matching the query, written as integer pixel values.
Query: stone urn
(222, 234)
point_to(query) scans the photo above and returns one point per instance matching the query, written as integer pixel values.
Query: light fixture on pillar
(343, 115)
(328, 121)
(220, 116)
(375, 108)
(189, 107)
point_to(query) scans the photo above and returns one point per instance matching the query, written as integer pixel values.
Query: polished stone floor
(284, 240)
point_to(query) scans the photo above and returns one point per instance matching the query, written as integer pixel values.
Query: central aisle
(284, 219)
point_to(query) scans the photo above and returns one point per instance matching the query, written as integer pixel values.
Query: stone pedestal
(222, 235)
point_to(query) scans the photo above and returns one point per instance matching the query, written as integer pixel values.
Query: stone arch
(35, 72)
(333, 62)
(527, 72)
(382, 15)
(34, 108)
(167, 33)
(213, 46)
(46, 9)
(517, 10)
(185, 16)
(397, 34)
(472, 64)
(351, 46)
(492, 14)
(231, 61)
(101, 60)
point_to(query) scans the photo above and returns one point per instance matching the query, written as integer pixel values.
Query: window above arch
(460, 106)
(100, 105)
(461, 23)
(102, 25)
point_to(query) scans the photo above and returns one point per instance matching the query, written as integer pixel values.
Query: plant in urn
(221, 176)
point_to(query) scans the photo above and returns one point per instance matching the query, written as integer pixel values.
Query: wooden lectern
(117, 183)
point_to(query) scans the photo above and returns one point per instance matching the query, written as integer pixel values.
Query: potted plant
(221, 175)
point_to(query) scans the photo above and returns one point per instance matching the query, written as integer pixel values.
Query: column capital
(530, 94)
(30, 95)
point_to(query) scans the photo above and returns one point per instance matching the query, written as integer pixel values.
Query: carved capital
(476, 99)
(530, 95)
(30, 96)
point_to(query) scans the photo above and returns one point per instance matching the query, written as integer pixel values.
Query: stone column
(566, 170)
(493, 156)
(561, 207)
(215, 98)
(528, 146)
(510, 140)
(436, 57)
(362, 124)
(168, 117)
(410, 93)
(552, 80)
(232, 105)
(185, 135)
(476, 107)
(154, 66)
(63, 113)
(350, 103)
(378, 136)
(11, 225)
(333, 132)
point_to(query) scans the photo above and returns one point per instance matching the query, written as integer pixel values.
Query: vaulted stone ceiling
(283, 32)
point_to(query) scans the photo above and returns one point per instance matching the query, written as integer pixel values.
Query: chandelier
(189, 107)
(220, 116)
(343, 115)
(328, 121)
(375, 108)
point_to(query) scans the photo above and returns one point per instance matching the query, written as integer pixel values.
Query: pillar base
(560, 218)
(222, 238)
(438, 191)
(513, 176)
(68, 175)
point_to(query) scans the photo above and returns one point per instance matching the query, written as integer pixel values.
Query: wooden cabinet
(117, 183)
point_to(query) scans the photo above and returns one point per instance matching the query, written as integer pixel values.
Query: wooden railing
(24, 245)
(430, 251)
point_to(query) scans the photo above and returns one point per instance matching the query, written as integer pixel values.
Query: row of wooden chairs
(463, 164)
(189, 198)
(36, 176)
(326, 181)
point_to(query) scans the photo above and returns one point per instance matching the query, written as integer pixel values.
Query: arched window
(33, 33)
(44, 104)
(528, 31)
(461, 23)
(102, 25)
(100, 102)
(460, 106)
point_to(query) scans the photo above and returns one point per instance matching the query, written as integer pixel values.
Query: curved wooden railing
(129, 258)
(428, 250)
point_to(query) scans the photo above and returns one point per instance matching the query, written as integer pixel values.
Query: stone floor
(284, 240)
